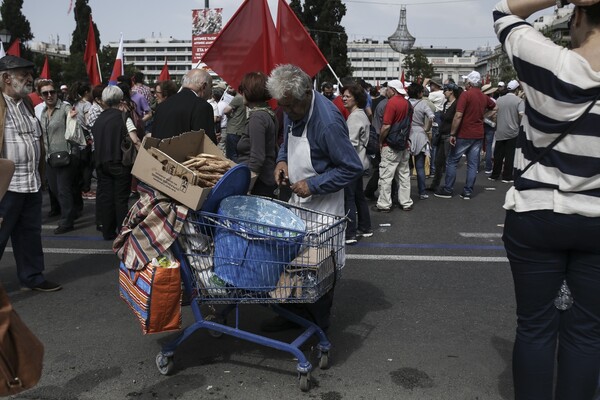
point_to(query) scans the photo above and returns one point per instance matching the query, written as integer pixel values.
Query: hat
(490, 91)
(450, 86)
(486, 87)
(397, 85)
(474, 77)
(436, 83)
(63, 87)
(512, 85)
(501, 84)
(12, 62)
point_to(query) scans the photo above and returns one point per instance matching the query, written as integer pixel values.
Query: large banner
(206, 25)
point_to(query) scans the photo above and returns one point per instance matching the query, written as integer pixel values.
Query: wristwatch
(561, 3)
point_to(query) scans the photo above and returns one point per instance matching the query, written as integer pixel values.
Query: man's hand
(281, 173)
(453, 141)
(301, 188)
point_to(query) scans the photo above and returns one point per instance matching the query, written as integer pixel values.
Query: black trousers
(504, 157)
(112, 196)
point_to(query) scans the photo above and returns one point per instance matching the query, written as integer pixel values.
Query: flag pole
(334, 75)
(99, 70)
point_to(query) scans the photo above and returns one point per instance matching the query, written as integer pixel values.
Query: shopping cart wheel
(305, 382)
(324, 360)
(164, 364)
(217, 319)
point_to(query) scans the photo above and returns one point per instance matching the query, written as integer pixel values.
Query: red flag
(118, 66)
(402, 77)
(90, 57)
(45, 74)
(247, 43)
(298, 47)
(164, 74)
(15, 48)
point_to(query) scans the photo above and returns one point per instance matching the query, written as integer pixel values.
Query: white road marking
(407, 257)
(480, 235)
(56, 250)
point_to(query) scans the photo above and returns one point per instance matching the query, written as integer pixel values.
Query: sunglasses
(49, 93)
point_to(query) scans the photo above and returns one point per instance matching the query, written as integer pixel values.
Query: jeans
(231, 146)
(470, 147)
(22, 223)
(112, 197)
(489, 143)
(356, 203)
(420, 168)
(443, 149)
(544, 248)
(62, 184)
(394, 165)
(504, 157)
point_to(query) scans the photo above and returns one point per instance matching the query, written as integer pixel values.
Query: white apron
(300, 167)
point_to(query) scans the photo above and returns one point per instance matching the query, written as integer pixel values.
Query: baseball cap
(474, 77)
(63, 87)
(501, 84)
(397, 85)
(512, 85)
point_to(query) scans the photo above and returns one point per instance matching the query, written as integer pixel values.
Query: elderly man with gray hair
(316, 159)
(21, 142)
(187, 110)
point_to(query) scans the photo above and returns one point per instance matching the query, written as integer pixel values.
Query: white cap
(63, 87)
(501, 84)
(474, 77)
(512, 85)
(398, 86)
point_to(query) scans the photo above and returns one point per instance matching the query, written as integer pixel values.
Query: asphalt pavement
(425, 310)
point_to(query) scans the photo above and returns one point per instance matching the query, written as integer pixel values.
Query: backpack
(397, 137)
(372, 146)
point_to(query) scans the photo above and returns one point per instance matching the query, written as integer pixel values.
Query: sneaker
(407, 208)
(492, 179)
(442, 194)
(382, 210)
(488, 172)
(423, 196)
(91, 195)
(507, 181)
(365, 233)
(45, 286)
(465, 196)
(63, 229)
(351, 240)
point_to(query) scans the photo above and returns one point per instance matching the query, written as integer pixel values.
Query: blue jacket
(332, 155)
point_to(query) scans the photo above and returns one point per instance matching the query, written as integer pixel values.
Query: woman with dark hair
(552, 220)
(257, 147)
(451, 93)
(355, 100)
(422, 119)
(163, 90)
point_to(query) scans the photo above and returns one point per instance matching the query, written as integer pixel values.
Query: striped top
(559, 85)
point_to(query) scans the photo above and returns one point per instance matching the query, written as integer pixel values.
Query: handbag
(21, 352)
(129, 151)
(154, 295)
(74, 133)
(59, 159)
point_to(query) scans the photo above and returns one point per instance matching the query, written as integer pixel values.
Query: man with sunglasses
(21, 142)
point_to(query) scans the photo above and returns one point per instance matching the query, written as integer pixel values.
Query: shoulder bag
(57, 159)
(21, 352)
(74, 133)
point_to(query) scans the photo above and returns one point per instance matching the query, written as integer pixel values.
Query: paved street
(425, 310)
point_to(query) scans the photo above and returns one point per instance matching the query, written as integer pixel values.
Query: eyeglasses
(49, 93)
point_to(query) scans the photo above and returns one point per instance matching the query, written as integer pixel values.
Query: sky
(465, 24)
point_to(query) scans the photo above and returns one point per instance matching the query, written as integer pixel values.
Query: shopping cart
(233, 261)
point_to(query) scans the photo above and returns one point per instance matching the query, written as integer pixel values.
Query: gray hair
(194, 79)
(112, 96)
(288, 80)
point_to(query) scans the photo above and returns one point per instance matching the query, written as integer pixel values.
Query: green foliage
(15, 22)
(506, 69)
(322, 20)
(417, 66)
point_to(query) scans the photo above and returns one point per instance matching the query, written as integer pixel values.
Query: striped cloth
(151, 226)
(559, 85)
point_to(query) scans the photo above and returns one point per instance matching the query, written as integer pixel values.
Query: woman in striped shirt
(552, 227)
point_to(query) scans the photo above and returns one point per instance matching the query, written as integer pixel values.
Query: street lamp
(5, 35)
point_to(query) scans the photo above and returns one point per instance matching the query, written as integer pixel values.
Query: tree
(15, 22)
(322, 19)
(82, 23)
(417, 66)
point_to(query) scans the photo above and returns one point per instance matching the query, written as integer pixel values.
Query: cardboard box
(156, 174)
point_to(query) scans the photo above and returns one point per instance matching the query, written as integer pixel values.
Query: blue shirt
(332, 155)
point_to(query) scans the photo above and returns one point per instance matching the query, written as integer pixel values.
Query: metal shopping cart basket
(235, 260)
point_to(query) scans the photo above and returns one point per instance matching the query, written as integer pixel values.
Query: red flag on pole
(118, 68)
(90, 57)
(15, 48)
(247, 43)
(297, 45)
(164, 74)
(402, 78)
(45, 74)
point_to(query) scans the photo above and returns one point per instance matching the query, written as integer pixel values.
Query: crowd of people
(314, 144)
